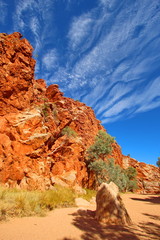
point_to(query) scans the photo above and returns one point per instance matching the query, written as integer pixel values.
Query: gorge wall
(34, 151)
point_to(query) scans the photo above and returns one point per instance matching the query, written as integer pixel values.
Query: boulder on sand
(110, 208)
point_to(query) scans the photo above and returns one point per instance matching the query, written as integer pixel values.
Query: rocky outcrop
(43, 135)
(16, 73)
(147, 175)
(110, 208)
(34, 151)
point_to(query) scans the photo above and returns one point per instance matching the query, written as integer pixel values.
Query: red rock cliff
(147, 175)
(34, 151)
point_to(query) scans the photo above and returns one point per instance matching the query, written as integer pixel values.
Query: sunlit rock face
(16, 73)
(35, 151)
(34, 154)
(147, 175)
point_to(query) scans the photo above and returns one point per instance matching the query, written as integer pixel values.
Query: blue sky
(105, 53)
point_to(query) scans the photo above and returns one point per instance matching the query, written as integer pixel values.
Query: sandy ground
(74, 224)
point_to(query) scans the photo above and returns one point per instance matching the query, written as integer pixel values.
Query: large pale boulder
(110, 208)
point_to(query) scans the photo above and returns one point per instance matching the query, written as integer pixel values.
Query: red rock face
(147, 175)
(116, 154)
(34, 151)
(16, 73)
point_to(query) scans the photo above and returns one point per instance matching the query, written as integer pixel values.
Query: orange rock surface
(34, 152)
(147, 175)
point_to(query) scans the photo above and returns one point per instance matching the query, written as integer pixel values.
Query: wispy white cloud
(126, 53)
(32, 18)
(109, 58)
(79, 30)
(114, 95)
(141, 101)
(25, 18)
(50, 59)
(18, 16)
(3, 11)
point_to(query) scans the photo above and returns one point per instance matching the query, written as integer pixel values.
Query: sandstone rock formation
(16, 73)
(110, 208)
(34, 151)
(148, 176)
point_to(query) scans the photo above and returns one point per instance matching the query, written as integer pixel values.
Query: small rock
(80, 202)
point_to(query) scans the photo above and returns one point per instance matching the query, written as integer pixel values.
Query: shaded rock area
(34, 151)
(110, 208)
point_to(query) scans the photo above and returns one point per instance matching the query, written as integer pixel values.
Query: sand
(75, 224)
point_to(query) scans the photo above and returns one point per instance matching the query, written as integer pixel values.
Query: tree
(108, 171)
(99, 167)
(158, 162)
(131, 174)
(101, 147)
(105, 169)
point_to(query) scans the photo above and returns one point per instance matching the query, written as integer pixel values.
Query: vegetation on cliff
(69, 132)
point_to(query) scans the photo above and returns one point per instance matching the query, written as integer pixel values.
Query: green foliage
(158, 162)
(99, 167)
(131, 173)
(107, 172)
(69, 132)
(45, 108)
(101, 147)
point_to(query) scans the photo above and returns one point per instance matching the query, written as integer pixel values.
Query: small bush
(45, 108)
(69, 132)
(158, 162)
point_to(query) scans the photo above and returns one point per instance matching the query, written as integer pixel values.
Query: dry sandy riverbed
(74, 224)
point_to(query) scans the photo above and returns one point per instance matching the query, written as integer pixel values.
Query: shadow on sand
(85, 221)
(150, 199)
(149, 230)
(93, 230)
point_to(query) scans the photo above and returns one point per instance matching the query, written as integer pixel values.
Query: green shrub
(101, 147)
(45, 109)
(158, 162)
(69, 132)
